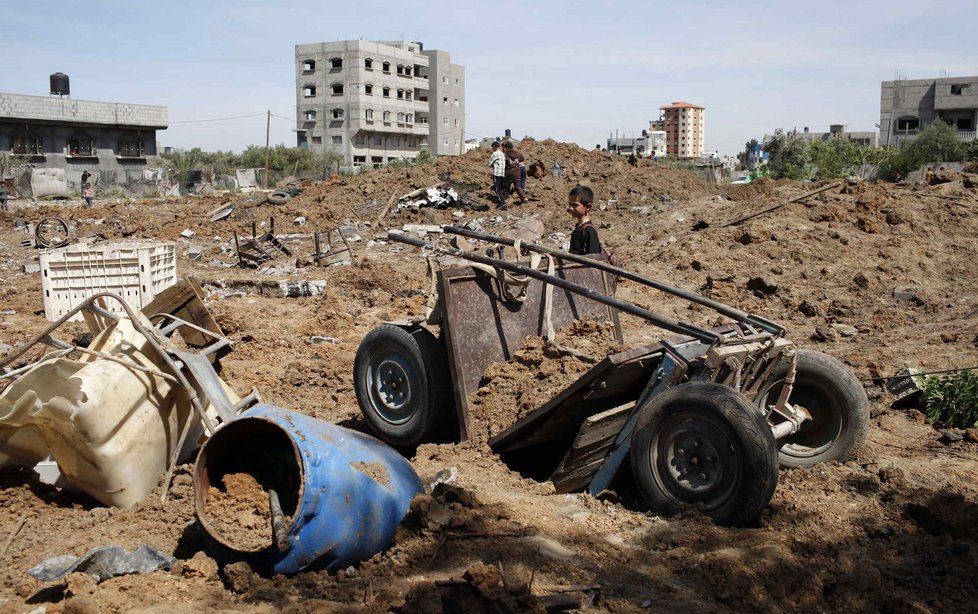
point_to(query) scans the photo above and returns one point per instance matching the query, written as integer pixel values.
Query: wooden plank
(184, 301)
(578, 478)
(603, 425)
(592, 443)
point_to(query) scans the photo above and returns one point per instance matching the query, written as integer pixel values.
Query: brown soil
(892, 530)
(239, 513)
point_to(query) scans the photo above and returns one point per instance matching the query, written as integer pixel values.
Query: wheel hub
(694, 459)
(391, 387)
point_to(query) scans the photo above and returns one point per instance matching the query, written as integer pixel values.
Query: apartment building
(683, 123)
(906, 106)
(378, 101)
(870, 138)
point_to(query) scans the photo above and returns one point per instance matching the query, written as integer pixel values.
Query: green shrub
(952, 400)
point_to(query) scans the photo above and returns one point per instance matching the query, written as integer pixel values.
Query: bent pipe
(730, 312)
(341, 494)
(682, 328)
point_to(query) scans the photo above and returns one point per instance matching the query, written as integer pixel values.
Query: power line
(218, 119)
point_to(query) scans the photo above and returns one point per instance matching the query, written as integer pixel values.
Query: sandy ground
(878, 275)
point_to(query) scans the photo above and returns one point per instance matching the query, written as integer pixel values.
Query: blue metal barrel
(342, 493)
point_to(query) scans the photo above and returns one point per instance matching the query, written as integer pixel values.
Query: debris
(557, 170)
(187, 234)
(949, 436)
(844, 329)
(222, 212)
(797, 199)
(907, 386)
(262, 287)
(436, 196)
(549, 548)
(52, 232)
(8, 312)
(760, 287)
(103, 563)
(195, 252)
(320, 339)
(259, 249)
(421, 229)
(32, 267)
(370, 488)
(337, 248)
(445, 476)
(299, 221)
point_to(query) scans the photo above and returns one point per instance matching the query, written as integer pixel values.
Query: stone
(238, 577)
(195, 252)
(200, 566)
(949, 436)
(186, 234)
(317, 339)
(32, 267)
(844, 329)
(5, 349)
(808, 309)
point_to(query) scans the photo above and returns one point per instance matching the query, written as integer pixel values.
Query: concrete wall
(447, 104)
(43, 108)
(924, 100)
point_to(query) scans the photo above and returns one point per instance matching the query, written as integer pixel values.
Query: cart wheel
(837, 402)
(402, 384)
(703, 445)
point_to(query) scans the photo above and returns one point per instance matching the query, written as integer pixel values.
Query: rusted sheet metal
(482, 328)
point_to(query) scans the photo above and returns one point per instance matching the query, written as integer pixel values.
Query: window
(376, 161)
(378, 141)
(337, 113)
(131, 148)
(409, 118)
(400, 94)
(444, 79)
(335, 63)
(317, 140)
(444, 121)
(400, 118)
(387, 117)
(456, 80)
(400, 69)
(444, 100)
(411, 143)
(337, 89)
(423, 142)
(408, 95)
(337, 140)
(368, 89)
(387, 67)
(456, 122)
(309, 91)
(407, 71)
(456, 141)
(358, 160)
(369, 116)
(81, 146)
(309, 65)
(456, 102)
(310, 116)
(358, 139)
(959, 89)
(907, 123)
(368, 64)
(396, 142)
(446, 141)
(26, 146)
(387, 92)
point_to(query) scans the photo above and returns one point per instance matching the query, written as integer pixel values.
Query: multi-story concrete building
(906, 106)
(378, 101)
(112, 140)
(683, 123)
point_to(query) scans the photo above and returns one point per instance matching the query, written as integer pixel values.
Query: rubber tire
(750, 474)
(419, 356)
(278, 197)
(822, 384)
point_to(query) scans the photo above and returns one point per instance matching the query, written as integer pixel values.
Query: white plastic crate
(134, 271)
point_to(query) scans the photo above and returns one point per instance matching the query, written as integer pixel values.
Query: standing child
(3, 198)
(88, 193)
(498, 163)
(584, 238)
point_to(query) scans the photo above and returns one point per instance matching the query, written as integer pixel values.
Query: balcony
(906, 136)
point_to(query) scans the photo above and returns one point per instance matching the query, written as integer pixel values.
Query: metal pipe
(730, 312)
(682, 328)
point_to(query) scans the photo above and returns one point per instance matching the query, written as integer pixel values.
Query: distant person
(514, 162)
(3, 198)
(633, 159)
(498, 163)
(85, 176)
(584, 238)
(88, 194)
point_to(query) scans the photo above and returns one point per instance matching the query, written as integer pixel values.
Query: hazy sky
(573, 71)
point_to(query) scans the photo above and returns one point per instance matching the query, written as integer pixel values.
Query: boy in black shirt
(584, 239)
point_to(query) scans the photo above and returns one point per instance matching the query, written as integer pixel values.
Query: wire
(219, 119)
(905, 376)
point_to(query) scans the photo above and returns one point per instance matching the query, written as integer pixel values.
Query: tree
(788, 155)
(745, 157)
(935, 144)
(327, 159)
(971, 151)
(424, 157)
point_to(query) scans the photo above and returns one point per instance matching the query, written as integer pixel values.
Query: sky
(568, 70)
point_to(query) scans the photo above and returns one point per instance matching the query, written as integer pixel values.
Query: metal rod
(279, 530)
(682, 328)
(730, 312)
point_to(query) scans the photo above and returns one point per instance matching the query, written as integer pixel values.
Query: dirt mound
(239, 512)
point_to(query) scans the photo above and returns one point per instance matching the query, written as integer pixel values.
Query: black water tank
(59, 84)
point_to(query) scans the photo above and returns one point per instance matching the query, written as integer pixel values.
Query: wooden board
(184, 301)
(590, 448)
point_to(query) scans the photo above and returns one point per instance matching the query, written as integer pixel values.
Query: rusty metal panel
(482, 328)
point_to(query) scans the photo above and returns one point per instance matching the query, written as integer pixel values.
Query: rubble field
(879, 275)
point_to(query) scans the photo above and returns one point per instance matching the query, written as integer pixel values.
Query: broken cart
(704, 418)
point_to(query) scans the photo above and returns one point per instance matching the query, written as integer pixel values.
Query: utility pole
(268, 132)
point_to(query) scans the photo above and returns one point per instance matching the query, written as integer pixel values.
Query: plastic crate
(134, 271)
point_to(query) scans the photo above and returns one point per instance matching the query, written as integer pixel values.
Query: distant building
(111, 140)
(684, 125)
(378, 101)
(651, 143)
(868, 139)
(906, 106)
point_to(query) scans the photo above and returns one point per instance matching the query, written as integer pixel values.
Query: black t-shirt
(584, 239)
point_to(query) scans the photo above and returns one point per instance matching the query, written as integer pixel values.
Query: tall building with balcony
(683, 123)
(906, 106)
(378, 101)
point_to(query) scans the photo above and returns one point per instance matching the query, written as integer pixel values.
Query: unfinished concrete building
(870, 138)
(683, 123)
(906, 106)
(114, 141)
(378, 101)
